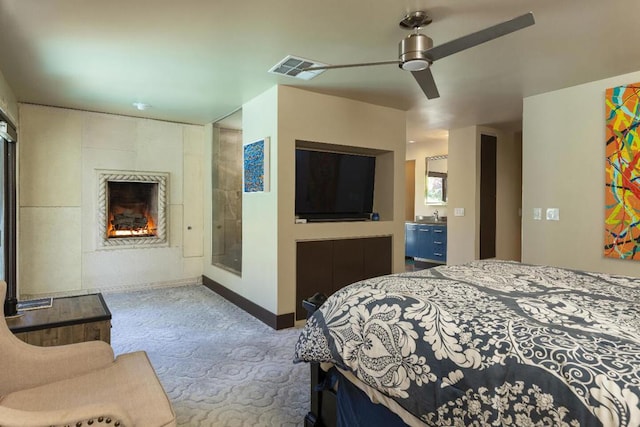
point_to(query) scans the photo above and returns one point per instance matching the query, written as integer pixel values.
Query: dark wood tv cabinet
(328, 265)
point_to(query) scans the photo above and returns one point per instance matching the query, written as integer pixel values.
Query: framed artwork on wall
(622, 173)
(255, 160)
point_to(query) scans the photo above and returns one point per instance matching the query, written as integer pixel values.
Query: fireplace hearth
(131, 207)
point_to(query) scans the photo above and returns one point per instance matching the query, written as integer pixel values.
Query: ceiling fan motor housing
(412, 52)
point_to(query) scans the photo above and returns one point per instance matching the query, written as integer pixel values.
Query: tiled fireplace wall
(60, 152)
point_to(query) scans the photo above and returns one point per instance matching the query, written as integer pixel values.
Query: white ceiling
(196, 61)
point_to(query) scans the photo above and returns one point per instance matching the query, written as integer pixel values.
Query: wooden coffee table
(69, 320)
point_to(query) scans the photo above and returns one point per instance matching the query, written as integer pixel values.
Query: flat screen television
(333, 186)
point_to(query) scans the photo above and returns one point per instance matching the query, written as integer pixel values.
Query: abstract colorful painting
(256, 166)
(622, 183)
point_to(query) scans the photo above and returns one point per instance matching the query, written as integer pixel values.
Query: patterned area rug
(219, 365)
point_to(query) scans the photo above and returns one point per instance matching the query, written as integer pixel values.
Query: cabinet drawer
(440, 238)
(439, 230)
(439, 243)
(439, 250)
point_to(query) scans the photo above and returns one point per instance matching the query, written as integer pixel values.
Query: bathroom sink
(420, 219)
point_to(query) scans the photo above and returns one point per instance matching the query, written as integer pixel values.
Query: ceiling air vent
(292, 66)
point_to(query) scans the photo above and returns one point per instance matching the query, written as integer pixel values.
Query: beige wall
(564, 161)
(287, 114)
(419, 151)
(258, 282)
(462, 180)
(463, 232)
(344, 122)
(8, 103)
(59, 152)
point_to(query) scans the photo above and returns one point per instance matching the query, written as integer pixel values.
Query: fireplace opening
(132, 209)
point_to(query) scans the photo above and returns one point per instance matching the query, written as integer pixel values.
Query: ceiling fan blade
(362, 64)
(427, 83)
(480, 37)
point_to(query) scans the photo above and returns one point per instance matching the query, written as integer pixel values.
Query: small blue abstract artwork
(256, 166)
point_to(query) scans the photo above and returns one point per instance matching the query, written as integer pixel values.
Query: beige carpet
(219, 365)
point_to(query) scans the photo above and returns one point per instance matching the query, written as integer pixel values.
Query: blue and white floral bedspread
(490, 343)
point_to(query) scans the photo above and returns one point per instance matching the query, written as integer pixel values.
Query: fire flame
(147, 231)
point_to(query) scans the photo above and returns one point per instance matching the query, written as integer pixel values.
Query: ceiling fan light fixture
(415, 65)
(412, 52)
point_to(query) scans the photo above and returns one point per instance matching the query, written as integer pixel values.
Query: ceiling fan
(417, 52)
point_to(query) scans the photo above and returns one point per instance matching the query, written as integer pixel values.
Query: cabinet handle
(437, 254)
(424, 230)
(437, 231)
(437, 243)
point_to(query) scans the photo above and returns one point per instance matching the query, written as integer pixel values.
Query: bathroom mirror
(436, 180)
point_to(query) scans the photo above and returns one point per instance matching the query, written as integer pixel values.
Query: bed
(484, 343)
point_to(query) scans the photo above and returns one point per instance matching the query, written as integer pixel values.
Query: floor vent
(293, 66)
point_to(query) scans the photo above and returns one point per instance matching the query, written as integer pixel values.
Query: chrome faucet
(435, 215)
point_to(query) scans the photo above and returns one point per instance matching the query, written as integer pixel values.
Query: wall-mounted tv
(333, 186)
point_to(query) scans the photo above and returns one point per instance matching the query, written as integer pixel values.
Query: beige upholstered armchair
(77, 385)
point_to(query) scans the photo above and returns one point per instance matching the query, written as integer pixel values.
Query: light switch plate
(553, 214)
(537, 214)
(458, 212)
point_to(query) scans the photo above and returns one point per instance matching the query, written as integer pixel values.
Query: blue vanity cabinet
(439, 243)
(411, 240)
(426, 241)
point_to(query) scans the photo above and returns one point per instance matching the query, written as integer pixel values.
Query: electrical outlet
(553, 214)
(458, 212)
(537, 214)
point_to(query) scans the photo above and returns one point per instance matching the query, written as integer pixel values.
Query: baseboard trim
(277, 322)
(194, 281)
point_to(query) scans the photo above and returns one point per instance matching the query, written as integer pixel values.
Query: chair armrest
(102, 415)
(26, 365)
